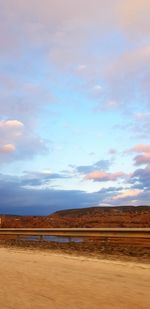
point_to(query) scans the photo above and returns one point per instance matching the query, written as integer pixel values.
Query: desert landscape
(123, 216)
(126, 217)
(74, 154)
(115, 247)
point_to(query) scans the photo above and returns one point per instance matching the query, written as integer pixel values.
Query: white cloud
(11, 124)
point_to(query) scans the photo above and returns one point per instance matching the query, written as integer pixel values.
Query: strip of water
(59, 239)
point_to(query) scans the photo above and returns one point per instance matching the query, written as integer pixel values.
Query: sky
(74, 104)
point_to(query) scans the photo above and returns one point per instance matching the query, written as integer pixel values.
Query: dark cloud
(41, 178)
(102, 165)
(141, 178)
(18, 199)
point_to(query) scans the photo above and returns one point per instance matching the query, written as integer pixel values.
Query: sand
(37, 279)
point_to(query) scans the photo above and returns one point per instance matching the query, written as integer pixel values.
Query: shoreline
(91, 249)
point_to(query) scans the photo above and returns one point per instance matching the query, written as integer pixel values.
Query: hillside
(123, 216)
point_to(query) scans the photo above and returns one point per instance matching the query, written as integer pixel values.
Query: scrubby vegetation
(123, 216)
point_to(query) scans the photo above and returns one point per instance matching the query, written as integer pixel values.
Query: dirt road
(43, 280)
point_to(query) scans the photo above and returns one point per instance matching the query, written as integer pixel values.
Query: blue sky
(74, 104)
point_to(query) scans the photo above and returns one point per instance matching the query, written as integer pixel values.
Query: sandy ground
(37, 279)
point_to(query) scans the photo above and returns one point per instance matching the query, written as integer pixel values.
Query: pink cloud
(144, 153)
(134, 17)
(129, 63)
(129, 193)
(145, 148)
(142, 159)
(64, 29)
(122, 74)
(104, 176)
(8, 148)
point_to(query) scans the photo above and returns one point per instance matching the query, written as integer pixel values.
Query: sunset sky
(74, 104)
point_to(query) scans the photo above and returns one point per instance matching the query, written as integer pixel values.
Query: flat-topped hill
(93, 211)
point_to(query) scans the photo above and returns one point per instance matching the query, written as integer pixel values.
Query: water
(59, 239)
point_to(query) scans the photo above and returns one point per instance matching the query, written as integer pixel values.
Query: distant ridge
(98, 210)
(120, 216)
(10, 215)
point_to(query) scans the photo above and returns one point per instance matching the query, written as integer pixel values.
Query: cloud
(140, 125)
(129, 193)
(24, 99)
(103, 176)
(100, 49)
(10, 128)
(101, 165)
(11, 124)
(34, 179)
(18, 197)
(66, 36)
(18, 143)
(128, 73)
(131, 197)
(8, 148)
(134, 18)
(52, 21)
(141, 148)
(144, 157)
(141, 178)
(21, 103)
